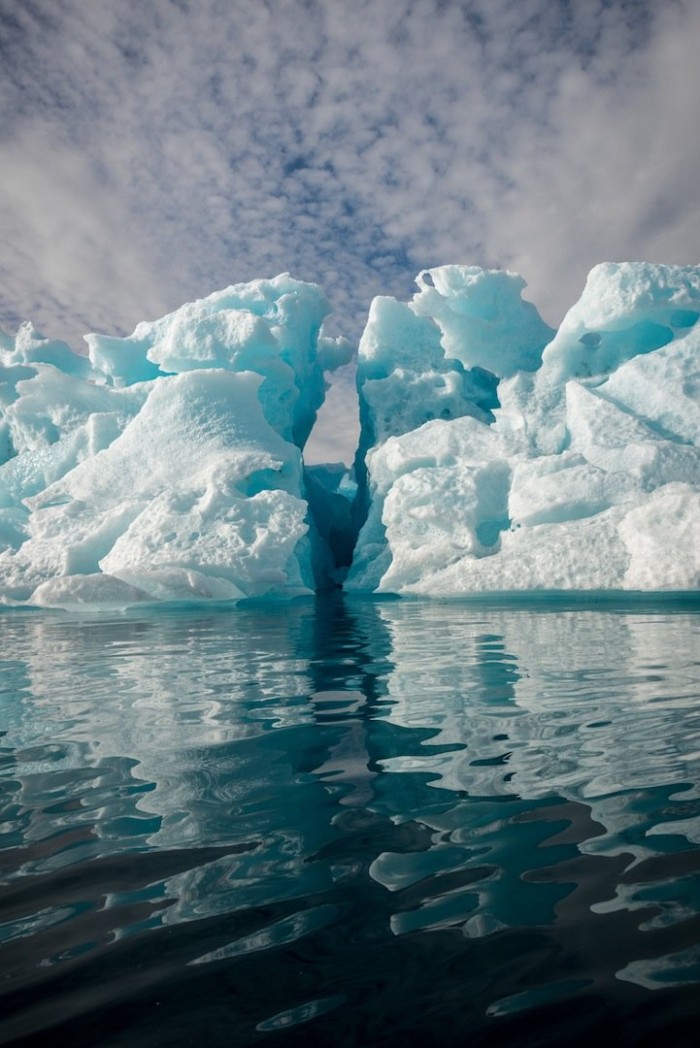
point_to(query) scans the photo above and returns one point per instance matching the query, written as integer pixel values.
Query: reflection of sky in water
(482, 768)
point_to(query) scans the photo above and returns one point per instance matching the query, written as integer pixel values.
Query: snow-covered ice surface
(586, 476)
(495, 456)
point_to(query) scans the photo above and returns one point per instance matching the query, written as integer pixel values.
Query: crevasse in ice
(496, 455)
(587, 474)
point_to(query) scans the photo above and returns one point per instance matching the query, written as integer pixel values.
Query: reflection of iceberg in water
(159, 691)
(276, 771)
(595, 708)
(242, 730)
(579, 704)
(575, 702)
(172, 729)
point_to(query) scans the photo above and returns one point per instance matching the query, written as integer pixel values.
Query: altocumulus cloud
(154, 152)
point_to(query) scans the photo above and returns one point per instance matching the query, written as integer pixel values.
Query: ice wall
(168, 464)
(587, 474)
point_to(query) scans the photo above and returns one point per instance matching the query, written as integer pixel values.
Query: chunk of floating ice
(585, 476)
(495, 454)
(168, 465)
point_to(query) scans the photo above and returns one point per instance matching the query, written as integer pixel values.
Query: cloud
(611, 176)
(154, 152)
(64, 233)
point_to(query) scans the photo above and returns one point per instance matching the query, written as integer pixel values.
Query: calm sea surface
(351, 822)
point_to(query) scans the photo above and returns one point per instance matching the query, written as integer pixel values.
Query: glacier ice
(587, 478)
(495, 455)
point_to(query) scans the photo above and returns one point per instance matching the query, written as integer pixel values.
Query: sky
(151, 153)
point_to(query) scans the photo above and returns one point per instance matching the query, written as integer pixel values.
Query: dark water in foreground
(347, 822)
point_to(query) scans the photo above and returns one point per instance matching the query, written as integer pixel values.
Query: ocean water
(351, 822)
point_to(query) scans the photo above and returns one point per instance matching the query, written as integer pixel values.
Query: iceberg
(166, 465)
(496, 455)
(586, 475)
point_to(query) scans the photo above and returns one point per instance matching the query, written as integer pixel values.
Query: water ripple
(351, 822)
